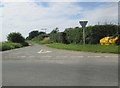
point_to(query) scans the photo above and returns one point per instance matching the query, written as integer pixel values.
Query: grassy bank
(88, 48)
(9, 45)
(44, 41)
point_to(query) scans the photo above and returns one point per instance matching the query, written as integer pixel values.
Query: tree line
(93, 34)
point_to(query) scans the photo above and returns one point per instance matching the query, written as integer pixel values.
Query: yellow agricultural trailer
(108, 40)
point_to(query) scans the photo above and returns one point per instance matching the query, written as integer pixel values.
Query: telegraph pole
(44, 30)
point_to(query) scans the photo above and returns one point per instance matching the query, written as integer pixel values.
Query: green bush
(33, 34)
(45, 41)
(73, 35)
(15, 37)
(40, 37)
(9, 45)
(92, 34)
(99, 31)
(118, 41)
(16, 45)
(59, 37)
(24, 44)
(0, 46)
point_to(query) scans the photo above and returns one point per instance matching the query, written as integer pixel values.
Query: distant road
(38, 65)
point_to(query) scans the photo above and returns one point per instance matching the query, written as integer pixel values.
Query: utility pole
(44, 30)
(83, 24)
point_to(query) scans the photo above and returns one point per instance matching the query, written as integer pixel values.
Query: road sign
(83, 23)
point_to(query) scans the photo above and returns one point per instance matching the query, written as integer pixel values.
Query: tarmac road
(38, 65)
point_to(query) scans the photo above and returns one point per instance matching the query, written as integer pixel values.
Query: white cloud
(24, 17)
(17, 0)
(60, 0)
(108, 13)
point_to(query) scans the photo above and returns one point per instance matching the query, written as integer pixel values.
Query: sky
(27, 15)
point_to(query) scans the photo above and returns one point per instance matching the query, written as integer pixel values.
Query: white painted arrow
(44, 51)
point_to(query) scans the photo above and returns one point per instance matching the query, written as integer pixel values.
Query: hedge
(93, 34)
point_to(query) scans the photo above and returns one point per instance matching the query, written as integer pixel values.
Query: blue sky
(86, 6)
(26, 16)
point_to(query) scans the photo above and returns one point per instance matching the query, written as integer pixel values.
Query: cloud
(25, 16)
(104, 13)
(60, 0)
(17, 0)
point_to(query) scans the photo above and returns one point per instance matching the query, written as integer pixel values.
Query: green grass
(9, 45)
(44, 41)
(87, 47)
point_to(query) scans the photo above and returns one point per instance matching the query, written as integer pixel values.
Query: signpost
(83, 24)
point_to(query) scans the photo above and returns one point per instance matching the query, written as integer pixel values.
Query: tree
(56, 30)
(93, 34)
(15, 37)
(40, 33)
(33, 34)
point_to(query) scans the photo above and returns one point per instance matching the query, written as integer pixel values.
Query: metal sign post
(83, 24)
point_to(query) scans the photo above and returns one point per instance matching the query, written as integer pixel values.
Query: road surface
(38, 65)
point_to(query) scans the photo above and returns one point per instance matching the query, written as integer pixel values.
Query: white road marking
(48, 51)
(93, 56)
(44, 51)
(41, 51)
(81, 56)
(21, 56)
(63, 56)
(77, 56)
(110, 56)
(98, 56)
(46, 56)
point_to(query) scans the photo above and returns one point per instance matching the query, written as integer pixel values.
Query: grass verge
(9, 45)
(87, 47)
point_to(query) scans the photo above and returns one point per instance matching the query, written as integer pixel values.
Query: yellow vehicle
(108, 40)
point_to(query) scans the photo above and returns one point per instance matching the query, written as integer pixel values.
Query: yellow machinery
(108, 40)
